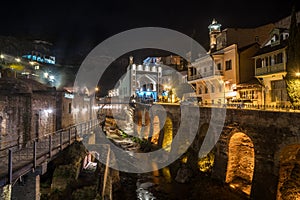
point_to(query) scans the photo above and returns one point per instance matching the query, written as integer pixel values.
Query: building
(218, 75)
(30, 110)
(270, 68)
(27, 111)
(141, 81)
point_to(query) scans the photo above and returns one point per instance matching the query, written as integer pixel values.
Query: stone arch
(289, 173)
(167, 134)
(241, 160)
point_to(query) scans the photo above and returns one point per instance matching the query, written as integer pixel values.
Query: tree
(293, 61)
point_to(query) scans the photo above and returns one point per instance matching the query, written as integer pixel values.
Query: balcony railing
(204, 75)
(270, 69)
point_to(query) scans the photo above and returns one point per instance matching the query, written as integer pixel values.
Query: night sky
(90, 22)
(79, 26)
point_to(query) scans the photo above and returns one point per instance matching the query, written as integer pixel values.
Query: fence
(18, 159)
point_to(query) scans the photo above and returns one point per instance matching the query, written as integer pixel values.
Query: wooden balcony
(270, 69)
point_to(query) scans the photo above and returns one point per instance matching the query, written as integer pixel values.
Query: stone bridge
(257, 152)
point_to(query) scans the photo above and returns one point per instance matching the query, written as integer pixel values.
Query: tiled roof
(271, 48)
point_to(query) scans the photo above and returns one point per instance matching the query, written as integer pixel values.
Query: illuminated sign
(41, 59)
(69, 96)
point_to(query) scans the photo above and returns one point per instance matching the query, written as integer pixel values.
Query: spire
(130, 60)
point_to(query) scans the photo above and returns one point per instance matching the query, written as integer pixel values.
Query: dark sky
(77, 27)
(89, 22)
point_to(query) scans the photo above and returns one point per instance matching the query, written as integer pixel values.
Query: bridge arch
(167, 136)
(288, 167)
(241, 160)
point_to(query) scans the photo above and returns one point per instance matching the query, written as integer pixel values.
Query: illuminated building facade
(270, 68)
(217, 76)
(141, 81)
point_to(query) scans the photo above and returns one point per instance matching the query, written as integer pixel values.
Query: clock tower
(214, 29)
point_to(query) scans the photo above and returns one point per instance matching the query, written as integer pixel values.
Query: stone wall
(15, 118)
(269, 132)
(43, 114)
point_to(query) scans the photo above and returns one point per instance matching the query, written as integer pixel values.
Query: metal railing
(18, 159)
(279, 108)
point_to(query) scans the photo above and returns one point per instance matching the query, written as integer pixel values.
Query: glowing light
(298, 74)
(46, 75)
(31, 62)
(16, 67)
(51, 77)
(48, 111)
(18, 59)
(95, 107)
(1, 56)
(167, 87)
(97, 89)
(184, 159)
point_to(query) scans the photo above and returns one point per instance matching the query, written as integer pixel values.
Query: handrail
(15, 160)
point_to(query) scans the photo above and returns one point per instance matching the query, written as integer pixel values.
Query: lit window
(228, 65)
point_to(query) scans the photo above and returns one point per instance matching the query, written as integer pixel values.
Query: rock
(183, 175)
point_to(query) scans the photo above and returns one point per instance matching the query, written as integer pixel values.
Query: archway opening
(289, 173)
(168, 135)
(240, 166)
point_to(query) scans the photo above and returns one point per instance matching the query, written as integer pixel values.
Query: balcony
(205, 75)
(270, 69)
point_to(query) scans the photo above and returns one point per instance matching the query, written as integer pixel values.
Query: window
(206, 90)
(70, 108)
(199, 90)
(228, 64)
(219, 66)
(36, 127)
